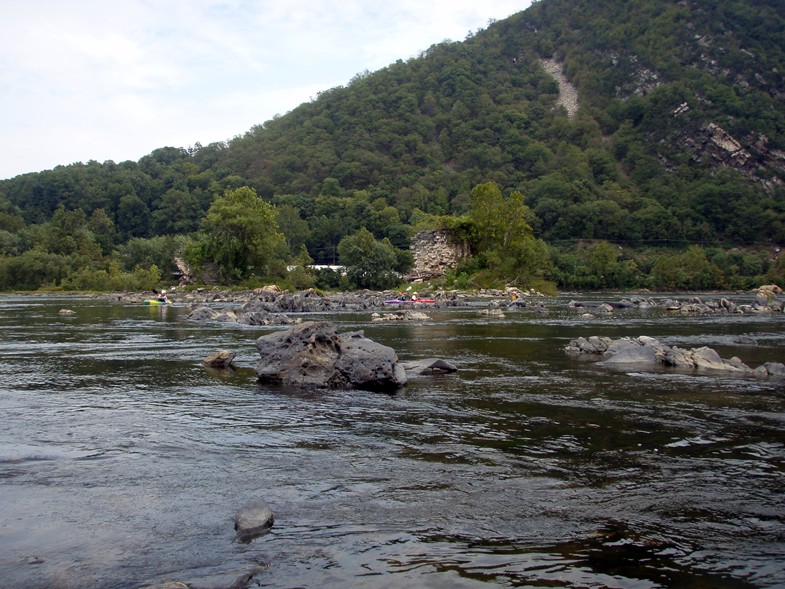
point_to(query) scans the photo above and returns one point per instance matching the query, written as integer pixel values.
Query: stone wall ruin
(435, 252)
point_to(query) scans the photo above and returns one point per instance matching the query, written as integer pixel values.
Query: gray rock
(253, 520)
(678, 358)
(648, 351)
(312, 354)
(429, 366)
(263, 318)
(366, 364)
(203, 314)
(220, 359)
(771, 369)
(708, 359)
(627, 351)
(400, 315)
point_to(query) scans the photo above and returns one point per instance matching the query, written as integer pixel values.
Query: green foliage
(112, 278)
(369, 263)
(690, 270)
(502, 239)
(32, 270)
(241, 234)
(152, 251)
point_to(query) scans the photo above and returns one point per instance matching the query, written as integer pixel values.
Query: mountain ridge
(677, 136)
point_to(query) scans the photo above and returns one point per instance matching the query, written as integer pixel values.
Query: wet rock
(649, 352)
(776, 369)
(365, 364)
(167, 585)
(404, 315)
(248, 314)
(67, 312)
(627, 351)
(220, 359)
(253, 520)
(594, 345)
(203, 314)
(313, 354)
(429, 366)
(494, 312)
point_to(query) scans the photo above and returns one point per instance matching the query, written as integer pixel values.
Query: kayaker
(415, 296)
(162, 298)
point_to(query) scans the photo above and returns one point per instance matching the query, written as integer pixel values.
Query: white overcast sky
(113, 80)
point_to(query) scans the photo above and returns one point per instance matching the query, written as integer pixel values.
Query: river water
(123, 460)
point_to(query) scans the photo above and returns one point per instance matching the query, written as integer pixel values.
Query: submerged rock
(220, 359)
(313, 354)
(429, 366)
(253, 520)
(649, 352)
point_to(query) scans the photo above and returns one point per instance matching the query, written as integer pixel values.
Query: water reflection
(122, 459)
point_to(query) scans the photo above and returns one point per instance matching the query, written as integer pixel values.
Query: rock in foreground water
(313, 354)
(220, 359)
(253, 520)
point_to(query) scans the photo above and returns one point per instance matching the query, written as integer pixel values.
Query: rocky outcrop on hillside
(568, 94)
(750, 155)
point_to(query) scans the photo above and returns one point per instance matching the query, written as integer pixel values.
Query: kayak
(154, 302)
(399, 302)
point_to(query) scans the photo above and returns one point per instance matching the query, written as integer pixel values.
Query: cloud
(90, 79)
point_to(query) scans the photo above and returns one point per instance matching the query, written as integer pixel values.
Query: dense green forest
(670, 174)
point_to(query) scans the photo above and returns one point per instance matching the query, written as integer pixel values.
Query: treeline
(244, 240)
(406, 147)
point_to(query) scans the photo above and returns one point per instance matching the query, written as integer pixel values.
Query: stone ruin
(435, 252)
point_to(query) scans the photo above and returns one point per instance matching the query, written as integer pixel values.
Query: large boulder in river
(313, 354)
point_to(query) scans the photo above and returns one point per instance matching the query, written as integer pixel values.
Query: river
(123, 459)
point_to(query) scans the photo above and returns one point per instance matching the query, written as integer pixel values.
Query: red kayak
(407, 301)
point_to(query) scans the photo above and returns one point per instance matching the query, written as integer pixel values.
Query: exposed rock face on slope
(568, 94)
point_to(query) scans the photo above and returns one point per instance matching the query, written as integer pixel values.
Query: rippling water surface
(123, 460)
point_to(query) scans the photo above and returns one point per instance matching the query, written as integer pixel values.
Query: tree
(369, 263)
(133, 216)
(178, 212)
(499, 222)
(241, 233)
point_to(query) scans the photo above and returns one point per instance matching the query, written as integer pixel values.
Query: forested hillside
(678, 141)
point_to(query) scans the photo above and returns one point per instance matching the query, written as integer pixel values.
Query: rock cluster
(313, 354)
(648, 351)
(765, 301)
(248, 314)
(400, 315)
